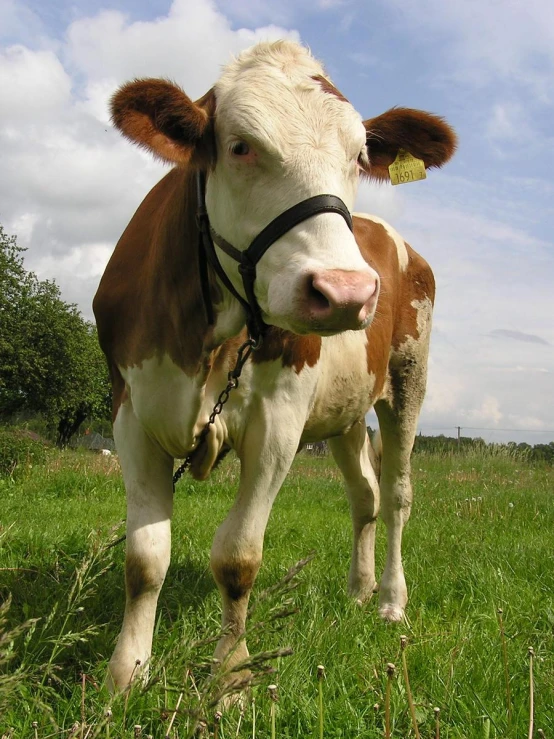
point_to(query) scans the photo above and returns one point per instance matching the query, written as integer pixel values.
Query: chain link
(243, 353)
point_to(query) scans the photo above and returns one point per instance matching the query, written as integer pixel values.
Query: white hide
(146, 471)
(166, 401)
(344, 389)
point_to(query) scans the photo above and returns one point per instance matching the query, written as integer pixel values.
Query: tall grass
(480, 539)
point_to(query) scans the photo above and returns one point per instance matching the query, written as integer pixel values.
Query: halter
(249, 258)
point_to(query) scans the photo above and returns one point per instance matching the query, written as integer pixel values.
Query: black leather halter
(249, 258)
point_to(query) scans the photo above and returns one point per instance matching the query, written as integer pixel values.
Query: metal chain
(243, 353)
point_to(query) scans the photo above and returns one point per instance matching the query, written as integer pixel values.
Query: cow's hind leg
(398, 415)
(352, 454)
(147, 472)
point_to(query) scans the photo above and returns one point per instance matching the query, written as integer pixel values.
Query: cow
(250, 238)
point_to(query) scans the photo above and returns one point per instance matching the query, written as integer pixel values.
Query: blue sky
(69, 183)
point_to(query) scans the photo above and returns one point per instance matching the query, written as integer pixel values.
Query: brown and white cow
(348, 317)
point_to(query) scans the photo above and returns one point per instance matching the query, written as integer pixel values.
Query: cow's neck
(173, 318)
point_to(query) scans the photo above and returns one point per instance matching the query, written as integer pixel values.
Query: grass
(480, 539)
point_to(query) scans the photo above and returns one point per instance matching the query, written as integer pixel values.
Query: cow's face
(272, 133)
(284, 134)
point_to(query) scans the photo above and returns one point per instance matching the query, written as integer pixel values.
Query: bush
(18, 451)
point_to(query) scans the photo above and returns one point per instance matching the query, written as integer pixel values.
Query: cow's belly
(167, 402)
(345, 387)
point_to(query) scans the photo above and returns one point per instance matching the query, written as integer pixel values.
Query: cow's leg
(147, 472)
(398, 415)
(266, 451)
(352, 454)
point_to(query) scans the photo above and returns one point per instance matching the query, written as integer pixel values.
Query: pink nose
(340, 300)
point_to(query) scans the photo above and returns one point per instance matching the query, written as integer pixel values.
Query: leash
(244, 351)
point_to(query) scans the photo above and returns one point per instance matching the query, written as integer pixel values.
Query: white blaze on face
(281, 138)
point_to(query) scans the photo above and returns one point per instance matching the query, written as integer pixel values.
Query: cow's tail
(375, 450)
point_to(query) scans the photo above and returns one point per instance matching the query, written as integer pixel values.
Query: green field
(481, 537)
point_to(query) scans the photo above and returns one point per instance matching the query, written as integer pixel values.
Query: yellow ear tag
(406, 168)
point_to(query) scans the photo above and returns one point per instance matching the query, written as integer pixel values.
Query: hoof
(120, 679)
(360, 599)
(391, 612)
(239, 700)
(362, 595)
(236, 691)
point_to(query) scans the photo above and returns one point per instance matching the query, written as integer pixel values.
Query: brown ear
(159, 116)
(423, 135)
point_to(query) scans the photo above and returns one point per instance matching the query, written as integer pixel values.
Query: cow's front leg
(147, 472)
(266, 450)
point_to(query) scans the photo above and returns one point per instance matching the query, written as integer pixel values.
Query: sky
(69, 183)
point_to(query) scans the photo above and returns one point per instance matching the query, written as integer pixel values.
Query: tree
(50, 361)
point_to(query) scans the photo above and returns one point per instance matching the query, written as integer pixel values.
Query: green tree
(50, 361)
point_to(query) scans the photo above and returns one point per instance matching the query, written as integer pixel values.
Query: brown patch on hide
(149, 302)
(139, 577)
(294, 350)
(425, 136)
(329, 88)
(225, 356)
(236, 578)
(395, 317)
(419, 284)
(380, 253)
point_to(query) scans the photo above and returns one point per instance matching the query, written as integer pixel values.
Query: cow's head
(274, 132)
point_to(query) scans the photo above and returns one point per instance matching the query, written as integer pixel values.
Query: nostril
(316, 298)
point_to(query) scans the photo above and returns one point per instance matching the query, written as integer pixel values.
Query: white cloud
(188, 45)
(507, 39)
(69, 181)
(34, 86)
(505, 122)
(487, 414)
(76, 264)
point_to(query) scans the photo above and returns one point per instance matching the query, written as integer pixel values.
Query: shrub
(19, 451)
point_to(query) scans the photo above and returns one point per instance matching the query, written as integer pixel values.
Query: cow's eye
(240, 149)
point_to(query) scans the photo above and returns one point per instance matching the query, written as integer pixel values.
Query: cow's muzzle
(338, 299)
(335, 293)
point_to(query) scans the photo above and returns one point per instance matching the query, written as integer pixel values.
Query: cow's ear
(159, 116)
(425, 136)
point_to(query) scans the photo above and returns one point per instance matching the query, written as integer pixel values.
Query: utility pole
(459, 434)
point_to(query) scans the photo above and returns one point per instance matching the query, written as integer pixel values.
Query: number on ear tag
(406, 168)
